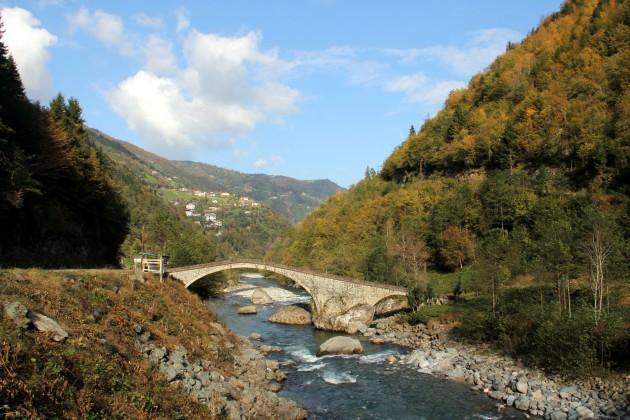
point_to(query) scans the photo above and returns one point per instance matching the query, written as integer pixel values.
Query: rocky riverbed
(249, 393)
(501, 378)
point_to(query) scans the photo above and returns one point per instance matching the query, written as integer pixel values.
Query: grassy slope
(98, 371)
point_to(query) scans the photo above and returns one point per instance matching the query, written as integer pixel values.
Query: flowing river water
(348, 387)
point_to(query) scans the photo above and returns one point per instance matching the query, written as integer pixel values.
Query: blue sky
(309, 89)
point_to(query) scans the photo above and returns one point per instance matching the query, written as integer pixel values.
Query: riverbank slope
(134, 349)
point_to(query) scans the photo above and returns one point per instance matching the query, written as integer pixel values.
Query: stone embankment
(249, 393)
(503, 378)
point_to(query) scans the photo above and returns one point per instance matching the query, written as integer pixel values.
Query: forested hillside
(153, 194)
(289, 197)
(515, 194)
(58, 206)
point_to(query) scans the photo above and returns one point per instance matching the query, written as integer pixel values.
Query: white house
(189, 213)
(225, 194)
(190, 206)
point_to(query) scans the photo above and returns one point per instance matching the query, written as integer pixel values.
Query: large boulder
(47, 325)
(291, 314)
(261, 297)
(340, 345)
(247, 310)
(351, 321)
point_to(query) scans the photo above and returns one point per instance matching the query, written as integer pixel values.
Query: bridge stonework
(339, 304)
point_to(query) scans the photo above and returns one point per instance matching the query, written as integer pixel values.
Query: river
(349, 387)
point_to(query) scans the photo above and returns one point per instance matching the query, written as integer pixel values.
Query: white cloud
(29, 45)
(261, 163)
(183, 22)
(360, 71)
(159, 57)
(483, 46)
(107, 28)
(147, 21)
(419, 88)
(223, 91)
(265, 163)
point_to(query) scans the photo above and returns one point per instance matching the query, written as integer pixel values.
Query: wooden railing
(150, 265)
(286, 267)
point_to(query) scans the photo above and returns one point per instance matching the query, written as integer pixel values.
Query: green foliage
(58, 206)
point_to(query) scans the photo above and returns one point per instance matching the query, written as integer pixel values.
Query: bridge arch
(335, 298)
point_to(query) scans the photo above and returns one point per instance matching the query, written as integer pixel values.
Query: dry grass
(98, 371)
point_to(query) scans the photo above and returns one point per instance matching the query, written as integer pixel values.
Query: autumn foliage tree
(458, 247)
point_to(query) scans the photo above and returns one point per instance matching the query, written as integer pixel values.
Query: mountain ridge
(294, 198)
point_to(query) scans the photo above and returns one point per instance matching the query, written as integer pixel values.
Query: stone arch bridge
(339, 303)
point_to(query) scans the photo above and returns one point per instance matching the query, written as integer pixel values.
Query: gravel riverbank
(502, 378)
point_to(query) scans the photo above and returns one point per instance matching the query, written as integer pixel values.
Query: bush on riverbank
(575, 345)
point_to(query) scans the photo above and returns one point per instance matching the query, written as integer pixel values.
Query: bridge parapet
(286, 267)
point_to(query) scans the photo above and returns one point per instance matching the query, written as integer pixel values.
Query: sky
(310, 89)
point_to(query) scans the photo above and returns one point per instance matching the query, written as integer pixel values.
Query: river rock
(358, 313)
(496, 395)
(17, 313)
(566, 392)
(558, 415)
(522, 403)
(340, 345)
(47, 325)
(255, 336)
(247, 310)
(355, 327)
(261, 297)
(377, 340)
(391, 359)
(521, 386)
(584, 413)
(291, 314)
(417, 358)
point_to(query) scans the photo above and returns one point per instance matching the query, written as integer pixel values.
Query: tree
(415, 298)
(496, 257)
(412, 131)
(599, 243)
(457, 247)
(553, 246)
(376, 264)
(412, 252)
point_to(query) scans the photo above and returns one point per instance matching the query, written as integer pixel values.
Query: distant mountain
(289, 197)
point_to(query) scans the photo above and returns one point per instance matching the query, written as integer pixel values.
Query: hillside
(58, 204)
(289, 197)
(132, 350)
(515, 195)
(190, 226)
